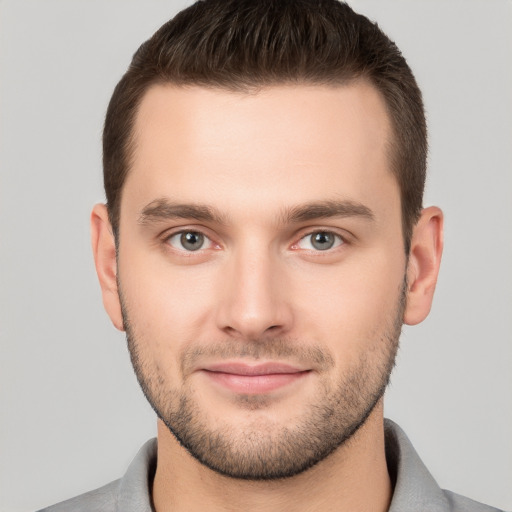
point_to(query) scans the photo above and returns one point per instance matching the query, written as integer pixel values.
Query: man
(262, 244)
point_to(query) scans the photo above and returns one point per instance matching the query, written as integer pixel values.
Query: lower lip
(255, 384)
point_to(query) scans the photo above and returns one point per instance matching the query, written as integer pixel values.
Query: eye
(320, 241)
(189, 241)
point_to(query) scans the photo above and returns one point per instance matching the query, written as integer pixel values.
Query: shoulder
(103, 499)
(458, 503)
(414, 487)
(131, 493)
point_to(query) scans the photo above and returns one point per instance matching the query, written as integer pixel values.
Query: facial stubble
(263, 449)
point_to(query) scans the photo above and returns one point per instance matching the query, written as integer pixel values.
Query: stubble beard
(265, 450)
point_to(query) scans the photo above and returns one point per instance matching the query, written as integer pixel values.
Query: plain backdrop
(71, 413)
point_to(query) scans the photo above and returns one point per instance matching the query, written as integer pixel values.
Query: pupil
(192, 241)
(322, 241)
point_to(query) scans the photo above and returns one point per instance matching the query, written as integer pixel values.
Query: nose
(255, 301)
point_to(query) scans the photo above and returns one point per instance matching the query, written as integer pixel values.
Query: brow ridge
(327, 209)
(164, 209)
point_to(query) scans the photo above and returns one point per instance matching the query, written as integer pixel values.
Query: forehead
(276, 145)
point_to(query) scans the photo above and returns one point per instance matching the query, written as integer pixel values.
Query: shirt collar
(134, 492)
(414, 486)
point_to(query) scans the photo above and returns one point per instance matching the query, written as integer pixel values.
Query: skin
(253, 158)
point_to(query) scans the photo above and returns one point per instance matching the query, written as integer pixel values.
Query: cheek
(351, 306)
(346, 307)
(168, 307)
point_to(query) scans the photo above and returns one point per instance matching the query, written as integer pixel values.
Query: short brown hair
(247, 44)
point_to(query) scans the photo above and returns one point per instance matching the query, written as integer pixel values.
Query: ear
(423, 266)
(104, 250)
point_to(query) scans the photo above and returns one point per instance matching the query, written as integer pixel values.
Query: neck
(353, 478)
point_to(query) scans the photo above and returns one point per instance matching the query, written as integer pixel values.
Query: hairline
(254, 87)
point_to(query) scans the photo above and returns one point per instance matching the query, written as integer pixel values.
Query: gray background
(72, 416)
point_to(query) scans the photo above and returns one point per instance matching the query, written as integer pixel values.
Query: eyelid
(170, 233)
(344, 238)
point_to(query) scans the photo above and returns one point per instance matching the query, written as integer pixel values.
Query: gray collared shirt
(415, 490)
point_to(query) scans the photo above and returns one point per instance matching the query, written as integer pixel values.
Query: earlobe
(104, 251)
(423, 266)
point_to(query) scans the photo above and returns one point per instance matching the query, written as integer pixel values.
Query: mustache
(311, 356)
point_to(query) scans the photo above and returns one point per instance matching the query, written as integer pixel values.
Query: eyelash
(183, 232)
(339, 240)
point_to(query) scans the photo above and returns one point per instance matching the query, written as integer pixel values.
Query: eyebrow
(327, 209)
(165, 209)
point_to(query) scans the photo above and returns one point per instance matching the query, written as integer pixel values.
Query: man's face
(261, 269)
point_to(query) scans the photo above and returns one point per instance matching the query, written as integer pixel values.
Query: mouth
(254, 379)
